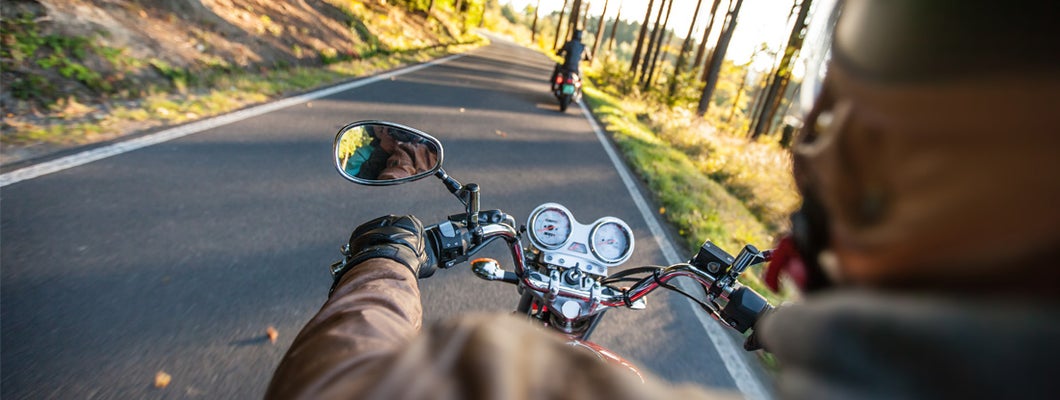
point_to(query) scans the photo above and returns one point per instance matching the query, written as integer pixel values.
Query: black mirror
(385, 153)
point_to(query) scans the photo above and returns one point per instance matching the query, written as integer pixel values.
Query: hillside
(68, 66)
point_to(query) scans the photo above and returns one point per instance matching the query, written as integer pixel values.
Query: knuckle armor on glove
(398, 238)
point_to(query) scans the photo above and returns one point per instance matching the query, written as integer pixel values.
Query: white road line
(727, 349)
(125, 146)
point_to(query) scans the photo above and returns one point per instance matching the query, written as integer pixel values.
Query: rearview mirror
(384, 153)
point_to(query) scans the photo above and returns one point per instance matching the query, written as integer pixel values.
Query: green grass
(758, 172)
(699, 207)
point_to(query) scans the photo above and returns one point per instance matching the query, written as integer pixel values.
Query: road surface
(178, 256)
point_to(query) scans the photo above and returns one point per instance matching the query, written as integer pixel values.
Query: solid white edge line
(85, 157)
(748, 384)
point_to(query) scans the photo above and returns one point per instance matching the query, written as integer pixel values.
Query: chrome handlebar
(733, 304)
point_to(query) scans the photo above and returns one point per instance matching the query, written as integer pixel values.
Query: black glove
(398, 238)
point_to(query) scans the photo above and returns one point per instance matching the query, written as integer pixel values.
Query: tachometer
(550, 227)
(611, 241)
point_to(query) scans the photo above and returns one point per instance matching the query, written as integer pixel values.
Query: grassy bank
(79, 74)
(699, 207)
(73, 123)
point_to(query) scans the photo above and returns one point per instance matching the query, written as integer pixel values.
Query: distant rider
(573, 52)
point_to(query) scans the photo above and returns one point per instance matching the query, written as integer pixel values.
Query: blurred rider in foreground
(927, 243)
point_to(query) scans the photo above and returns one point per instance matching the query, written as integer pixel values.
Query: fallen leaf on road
(461, 109)
(309, 104)
(162, 379)
(502, 133)
(272, 334)
(662, 210)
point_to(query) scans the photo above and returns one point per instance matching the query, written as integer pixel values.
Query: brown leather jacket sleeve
(374, 311)
(364, 343)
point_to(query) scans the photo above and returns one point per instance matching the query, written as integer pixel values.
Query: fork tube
(524, 303)
(592, 325)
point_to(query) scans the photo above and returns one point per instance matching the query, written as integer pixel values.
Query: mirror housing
(380, 153)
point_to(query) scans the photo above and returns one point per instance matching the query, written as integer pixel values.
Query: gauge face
(551, 227)
(611, 241)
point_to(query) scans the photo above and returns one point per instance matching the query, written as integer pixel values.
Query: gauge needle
(547, 228)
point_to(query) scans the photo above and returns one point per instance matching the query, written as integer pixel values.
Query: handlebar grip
(431, 247)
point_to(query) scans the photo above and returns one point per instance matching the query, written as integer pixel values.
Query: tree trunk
(706, 36)
(716, 58)
(533, 27)
(686, 46)
(585, 17)
(614, 28)
(482, 16)
(736, 99)
(763, 121)
(756, 105)
(740, 88)
(573, 20)
(599, 32)
(652, 40)
(559, 25)
(652, 78)
(658, 49)
(640, 38)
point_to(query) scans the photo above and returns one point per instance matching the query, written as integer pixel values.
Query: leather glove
(398, 238)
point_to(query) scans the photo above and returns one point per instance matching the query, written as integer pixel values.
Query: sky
(759, 21)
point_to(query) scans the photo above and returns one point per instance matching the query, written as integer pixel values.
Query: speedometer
(611, 241)
(550, 227)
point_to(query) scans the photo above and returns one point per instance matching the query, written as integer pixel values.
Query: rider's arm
(365, 341)
(374, 311)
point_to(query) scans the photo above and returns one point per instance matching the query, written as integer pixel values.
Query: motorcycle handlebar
(737, 306)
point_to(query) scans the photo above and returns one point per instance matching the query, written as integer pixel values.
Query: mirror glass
(384, 153)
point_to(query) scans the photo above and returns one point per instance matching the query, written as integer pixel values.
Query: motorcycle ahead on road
(563, 277)
(567, 87)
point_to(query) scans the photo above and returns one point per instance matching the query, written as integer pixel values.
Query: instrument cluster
(565, 242)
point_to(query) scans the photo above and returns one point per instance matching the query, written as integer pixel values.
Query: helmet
(931, 140)
(577, 35)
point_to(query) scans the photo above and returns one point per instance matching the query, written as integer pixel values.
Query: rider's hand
(398, 238)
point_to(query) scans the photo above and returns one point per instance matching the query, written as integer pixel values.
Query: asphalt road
(178, 256)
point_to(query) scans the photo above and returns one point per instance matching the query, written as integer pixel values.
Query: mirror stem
(454, 187)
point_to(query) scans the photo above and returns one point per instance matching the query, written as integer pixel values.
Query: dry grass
(698, 206)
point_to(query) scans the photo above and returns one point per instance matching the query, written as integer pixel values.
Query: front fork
(527, 307)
